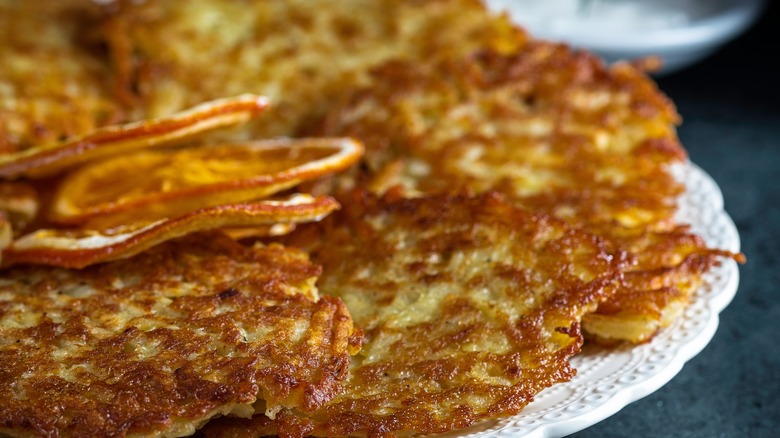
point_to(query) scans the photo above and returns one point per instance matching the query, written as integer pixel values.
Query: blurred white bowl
(681, 32)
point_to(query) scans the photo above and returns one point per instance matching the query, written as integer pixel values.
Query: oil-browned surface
(559, 133)
(157, 344)
(469, 308)
(55, 75)
(667, 268)
(73, 66)
(302, 54)
(548, 125)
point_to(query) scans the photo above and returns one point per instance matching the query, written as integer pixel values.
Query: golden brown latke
(667, 268)
(468, 104)
(559, 133)
(552, 127)
(157, 344)
(469, 308)
(302, 54)
(55, 77)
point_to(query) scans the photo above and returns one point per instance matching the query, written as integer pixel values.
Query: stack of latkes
(354, 218)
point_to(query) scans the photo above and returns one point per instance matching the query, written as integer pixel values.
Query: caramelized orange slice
(111, 140)
(150, 185)
(77, 249)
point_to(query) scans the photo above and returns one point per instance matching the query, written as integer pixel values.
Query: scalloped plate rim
(702, 318)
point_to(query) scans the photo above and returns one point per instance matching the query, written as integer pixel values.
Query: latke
(158, 344)
(469, 307)
(557, 132)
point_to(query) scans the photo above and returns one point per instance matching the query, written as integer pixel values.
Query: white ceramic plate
(609, 379)
(681, 32)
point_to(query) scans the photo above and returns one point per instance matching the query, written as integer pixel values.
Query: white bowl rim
(707, 31)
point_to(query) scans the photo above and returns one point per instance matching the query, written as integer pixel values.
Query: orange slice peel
(116, 139)
(148, 185)
(78, 249)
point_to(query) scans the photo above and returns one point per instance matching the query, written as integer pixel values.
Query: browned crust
(668, 267)
(140, 355)
(58, 77)
(308, 59)
(544, 76)
(469, 306)
(416, 112)
(601, 138)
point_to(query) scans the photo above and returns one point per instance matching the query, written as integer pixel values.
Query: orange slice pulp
(150, 185)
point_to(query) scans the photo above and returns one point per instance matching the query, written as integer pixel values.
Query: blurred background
(681, 32)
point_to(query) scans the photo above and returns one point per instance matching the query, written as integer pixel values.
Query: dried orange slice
(77, 249)
(150, 185)
(111, 140)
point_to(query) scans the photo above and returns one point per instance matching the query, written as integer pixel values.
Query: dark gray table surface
(730, 104)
